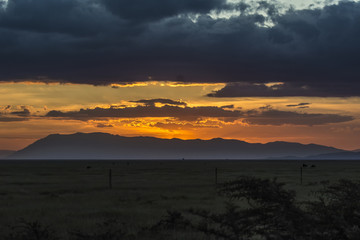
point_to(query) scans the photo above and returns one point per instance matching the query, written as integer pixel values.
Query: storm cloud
(313, 51)
(144, 10)
(310, 89)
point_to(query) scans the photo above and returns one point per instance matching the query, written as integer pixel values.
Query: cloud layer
(292, 89)
(262, 116)
(14, 113)
(313, 51)
(152, 102)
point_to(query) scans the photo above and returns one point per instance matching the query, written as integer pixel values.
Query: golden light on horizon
(17, 129)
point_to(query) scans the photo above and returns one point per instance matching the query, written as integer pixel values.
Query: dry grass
(72, 195)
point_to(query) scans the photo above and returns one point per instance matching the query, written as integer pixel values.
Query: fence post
(301, 175)
(110, 179)
(216, 176)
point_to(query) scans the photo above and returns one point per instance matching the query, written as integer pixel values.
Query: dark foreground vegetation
(254, 208)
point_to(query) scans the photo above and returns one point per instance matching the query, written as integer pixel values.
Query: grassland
(75, 195)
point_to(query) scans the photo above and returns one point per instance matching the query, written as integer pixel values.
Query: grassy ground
(75, 194)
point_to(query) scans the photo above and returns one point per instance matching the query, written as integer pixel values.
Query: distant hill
(337, 156)
(5, 153)
(107, 146)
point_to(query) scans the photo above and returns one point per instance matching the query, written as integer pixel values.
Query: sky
(257, 71)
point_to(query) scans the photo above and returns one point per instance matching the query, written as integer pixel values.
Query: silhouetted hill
(5, 153)
(337, 156)
(107, 146)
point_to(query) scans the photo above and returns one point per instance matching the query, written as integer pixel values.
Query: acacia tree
(336, 213)
(263, 209)
(270, 212)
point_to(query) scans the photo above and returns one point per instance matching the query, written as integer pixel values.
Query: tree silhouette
(264, 209)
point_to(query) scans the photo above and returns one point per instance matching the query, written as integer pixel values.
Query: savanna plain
(73, 199)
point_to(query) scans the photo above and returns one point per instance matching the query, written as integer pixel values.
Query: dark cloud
(53, 18)
(15, 116)
(278, 117)
(102, 125)
(314, 51)
(298, 105)
(228, 106)
(144, 10)
(311, 89)
(13, 119)
(263, 116)
(151, 102)
(24, 113)
(182, 113)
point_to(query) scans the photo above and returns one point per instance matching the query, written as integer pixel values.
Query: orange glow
(165, 84)
(40, 98)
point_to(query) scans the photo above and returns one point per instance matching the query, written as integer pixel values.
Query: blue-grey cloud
(314, 51)
(144, 10)
(289, 89)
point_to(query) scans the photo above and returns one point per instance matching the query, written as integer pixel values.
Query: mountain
(107, 146)
(337, 156)
(5, 153)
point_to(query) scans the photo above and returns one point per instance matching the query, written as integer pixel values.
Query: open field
(72, 195)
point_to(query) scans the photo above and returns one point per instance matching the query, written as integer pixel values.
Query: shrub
(271, 212)
(110, 229)
(26, 230)
(337, 211)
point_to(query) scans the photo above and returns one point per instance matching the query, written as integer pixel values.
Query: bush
(272, 212)
(336, 213)
(110, 229)
(26, 230)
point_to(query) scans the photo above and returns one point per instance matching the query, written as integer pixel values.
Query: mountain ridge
(108, 146)
(6, 153)
(350, 155)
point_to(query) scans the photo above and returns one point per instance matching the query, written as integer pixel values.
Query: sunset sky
(257, 71)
